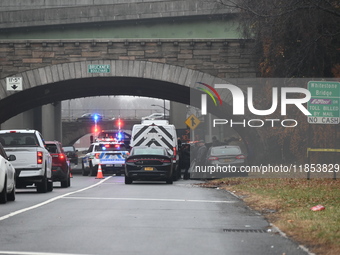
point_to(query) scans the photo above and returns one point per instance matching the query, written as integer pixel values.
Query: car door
(9, 169)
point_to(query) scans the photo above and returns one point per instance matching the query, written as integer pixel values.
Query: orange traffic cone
(99, 172)
(71, 176)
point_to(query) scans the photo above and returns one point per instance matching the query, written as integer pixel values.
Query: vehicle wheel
(175, 173)
(169, 181)
(11, 196)
(128, 180)
(3, 193)
(84, 172)
(69, 181)
(42, 186)
(93, 170)
(65, 183)
(49, 185)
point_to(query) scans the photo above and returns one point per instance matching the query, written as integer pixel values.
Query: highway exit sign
(99, 68)
(324, 104)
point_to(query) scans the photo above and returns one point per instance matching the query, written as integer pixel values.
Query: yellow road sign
(192, 122)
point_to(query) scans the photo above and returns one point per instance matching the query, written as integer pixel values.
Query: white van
(157, 133)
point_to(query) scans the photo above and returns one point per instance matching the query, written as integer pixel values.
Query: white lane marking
(51, 200)
(150, 199)
(34, 253)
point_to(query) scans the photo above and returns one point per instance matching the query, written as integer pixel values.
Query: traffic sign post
(192, 122)
(324, 104)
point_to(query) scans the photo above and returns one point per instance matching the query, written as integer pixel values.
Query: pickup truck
(33, 163)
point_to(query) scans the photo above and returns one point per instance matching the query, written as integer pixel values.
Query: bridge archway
(134, 78)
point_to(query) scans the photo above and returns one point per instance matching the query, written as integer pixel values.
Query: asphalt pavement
(105, 216)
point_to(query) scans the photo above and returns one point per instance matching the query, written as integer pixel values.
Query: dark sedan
(148, 164)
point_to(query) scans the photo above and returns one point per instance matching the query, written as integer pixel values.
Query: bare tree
(294, 38)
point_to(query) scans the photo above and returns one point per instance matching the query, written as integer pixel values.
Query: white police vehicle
(110, 155)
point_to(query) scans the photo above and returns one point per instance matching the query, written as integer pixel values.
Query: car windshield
(110, 147)
(68, 148)
(148, 151)
(18, 139)
(225, 151)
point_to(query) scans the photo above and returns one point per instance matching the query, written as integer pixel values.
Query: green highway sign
(324, 104)
(99, 68)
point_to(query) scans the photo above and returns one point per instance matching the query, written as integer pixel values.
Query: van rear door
(153, 135)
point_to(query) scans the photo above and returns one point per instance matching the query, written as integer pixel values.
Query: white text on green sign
(99, 68)
(324, 104)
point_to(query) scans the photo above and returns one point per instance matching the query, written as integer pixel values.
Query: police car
(110, 155)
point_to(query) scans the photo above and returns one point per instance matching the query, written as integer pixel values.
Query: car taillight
(213, 158)
(175, 153)
(61, 156)
(240, 157)
(39, 157)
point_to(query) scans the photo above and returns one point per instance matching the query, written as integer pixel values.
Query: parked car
(148, 163)
(156, 116)
(71, 153)
(60, 163)
(7, 177)
(225, 156)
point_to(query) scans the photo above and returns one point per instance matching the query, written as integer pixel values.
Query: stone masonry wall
(219, 58)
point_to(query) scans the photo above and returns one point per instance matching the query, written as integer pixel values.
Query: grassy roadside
(286, 203)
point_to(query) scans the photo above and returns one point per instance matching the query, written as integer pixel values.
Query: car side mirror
(12, 157)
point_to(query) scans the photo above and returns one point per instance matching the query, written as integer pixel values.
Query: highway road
(105, 216)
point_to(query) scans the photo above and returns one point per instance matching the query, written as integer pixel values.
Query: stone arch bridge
(55, 70)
